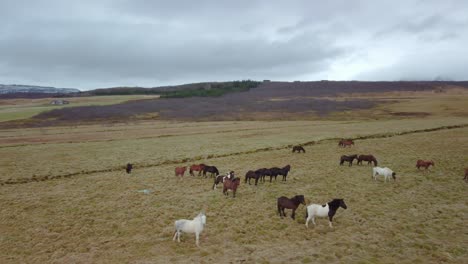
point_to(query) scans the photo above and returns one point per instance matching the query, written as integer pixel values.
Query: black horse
(293, 203)
(349, 159)
(129, 168)
(252, 175)
(211, 169)
(263, 173)
(283, 172)
(298, 149)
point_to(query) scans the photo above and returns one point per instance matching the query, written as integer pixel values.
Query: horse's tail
(375, 162)
(279, 209)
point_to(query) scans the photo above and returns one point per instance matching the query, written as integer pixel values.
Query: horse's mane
(297, 198)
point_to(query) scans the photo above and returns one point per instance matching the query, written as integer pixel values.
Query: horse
(180, 171)
(129, 168)
(349, 159)
(286, 203)
(221, 178)
(231, 184)
(198, 168)
(424, 163)
(190, 226)
(329, 209)
(283, 172)
(345, 142)
(298, 149)
(385, 172)
(263, 172)
(368, 158)
(252, 175)
(211, 169)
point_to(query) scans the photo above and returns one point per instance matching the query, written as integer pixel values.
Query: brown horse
(196, 167)
(424, 163)
(252, 175)
(231, 184)
(179, 171)
(368, 158)
(345, 142)
(298, 149)
(293, 203)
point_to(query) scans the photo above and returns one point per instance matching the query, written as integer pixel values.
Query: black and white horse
(328, 209)
(221, 178)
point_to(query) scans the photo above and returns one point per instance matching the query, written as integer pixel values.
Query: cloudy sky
(90, 44)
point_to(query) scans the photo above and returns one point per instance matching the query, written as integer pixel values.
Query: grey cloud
(90, 44)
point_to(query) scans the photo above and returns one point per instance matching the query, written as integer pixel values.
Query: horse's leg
(197, 235)
(330, 217)
(293, 216)
(175, 235)
(279, 211)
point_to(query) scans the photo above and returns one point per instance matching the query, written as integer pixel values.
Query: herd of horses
(231, 182)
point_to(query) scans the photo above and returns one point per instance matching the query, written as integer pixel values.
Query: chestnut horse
(198, 168)
(179, 171)
(298, 149)
(345, 142)
(231, 184)
(293, 203)
(424, 163)
(368, 158)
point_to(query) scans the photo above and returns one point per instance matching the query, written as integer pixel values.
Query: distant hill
(18, 88)
(205, 89)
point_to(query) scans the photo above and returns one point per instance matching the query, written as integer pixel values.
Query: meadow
(97, 214)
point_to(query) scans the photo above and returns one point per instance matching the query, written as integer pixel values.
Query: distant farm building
(59, 102)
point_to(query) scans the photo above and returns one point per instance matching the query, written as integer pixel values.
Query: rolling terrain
(65, 196)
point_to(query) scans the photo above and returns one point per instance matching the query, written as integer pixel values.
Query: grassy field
(14, 109)
(96, 214)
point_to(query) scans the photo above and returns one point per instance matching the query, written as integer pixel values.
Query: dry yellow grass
(101, 217)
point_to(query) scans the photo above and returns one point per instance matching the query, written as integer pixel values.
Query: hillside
(276, 101)
(32, 89)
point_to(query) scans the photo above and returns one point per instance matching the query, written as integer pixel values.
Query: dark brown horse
(252, 175)
(179, 171)
(349, 159)
(293, 203)
(283, 172)
(368, 158)
(196, 167)
(298, 149)
(345, 142)
(424, 163)
(263, 172)
(231, 184)
(129, 168)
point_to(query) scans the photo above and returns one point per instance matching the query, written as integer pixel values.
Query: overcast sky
(90, 44)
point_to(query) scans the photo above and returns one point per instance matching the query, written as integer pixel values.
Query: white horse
(190, 226)
(386, 172)
(328, 209)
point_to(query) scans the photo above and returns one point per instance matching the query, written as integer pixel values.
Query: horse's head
(342, 204)
(394, 176)
(301, 199)
(202, 218)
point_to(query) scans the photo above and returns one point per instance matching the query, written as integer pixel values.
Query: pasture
(65, 196)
